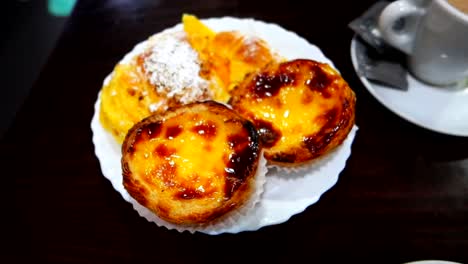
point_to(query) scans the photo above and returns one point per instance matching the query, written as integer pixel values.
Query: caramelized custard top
(299, 109)
(198, 154)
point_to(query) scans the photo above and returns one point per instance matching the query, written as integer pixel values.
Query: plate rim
(432, 261)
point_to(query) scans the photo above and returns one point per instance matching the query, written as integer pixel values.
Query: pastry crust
(301, 109)
(192, 164)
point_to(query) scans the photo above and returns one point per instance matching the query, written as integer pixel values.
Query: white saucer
(434, 108)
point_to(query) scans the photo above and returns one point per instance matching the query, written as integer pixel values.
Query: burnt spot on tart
(319, 81)
(206, 129)
(335, 121)
(267, 85)
(164, 151)
(242, 161)
(269, 135)
(150, 130)
(190, 193)
(198, 162)
(316, 142)
(173, 131)
(300, 108)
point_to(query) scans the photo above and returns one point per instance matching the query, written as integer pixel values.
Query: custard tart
(301, 109)
(192, 164)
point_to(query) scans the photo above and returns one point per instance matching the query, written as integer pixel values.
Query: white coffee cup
(434, 35)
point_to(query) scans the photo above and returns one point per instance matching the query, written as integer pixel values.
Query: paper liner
(226, 224)
(229, 222)
(313, 165)
(285, 192)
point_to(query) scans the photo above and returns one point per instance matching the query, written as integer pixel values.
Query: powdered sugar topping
(173, 68)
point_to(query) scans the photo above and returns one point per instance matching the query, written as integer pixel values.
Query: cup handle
(401, 39)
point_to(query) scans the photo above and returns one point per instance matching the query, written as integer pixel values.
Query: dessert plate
(286, 192)
(440, 109)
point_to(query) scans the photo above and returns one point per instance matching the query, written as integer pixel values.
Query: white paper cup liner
(313, 165)
(222, 225)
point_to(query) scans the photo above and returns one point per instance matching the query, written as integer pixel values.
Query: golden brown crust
(301, 109)
(191, 164)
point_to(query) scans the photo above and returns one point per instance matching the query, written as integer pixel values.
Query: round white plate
(444, 110)
(285, 194)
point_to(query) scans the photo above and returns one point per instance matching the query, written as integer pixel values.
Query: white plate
(285, 194)
(444, 110)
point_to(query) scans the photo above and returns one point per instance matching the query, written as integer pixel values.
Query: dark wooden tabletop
(403, 195)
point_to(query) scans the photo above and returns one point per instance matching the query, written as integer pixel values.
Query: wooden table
(403, 195)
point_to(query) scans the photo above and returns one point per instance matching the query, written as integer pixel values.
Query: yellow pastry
(302, 109)
(227, 56)
(192, 164)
